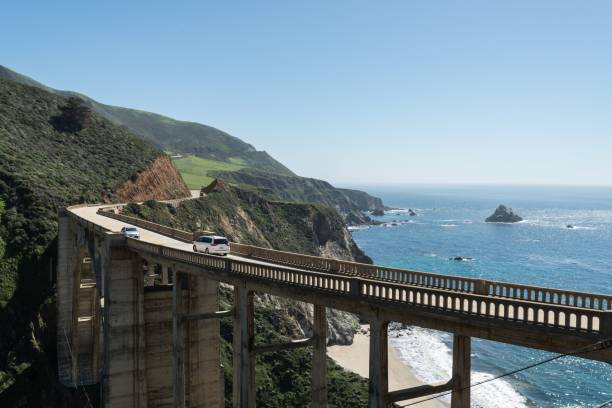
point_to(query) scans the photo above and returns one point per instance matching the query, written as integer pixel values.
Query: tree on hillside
(74, 116)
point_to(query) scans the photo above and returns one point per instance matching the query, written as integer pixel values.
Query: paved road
(90, 214)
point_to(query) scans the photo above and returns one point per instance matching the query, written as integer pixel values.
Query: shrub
(74, 116)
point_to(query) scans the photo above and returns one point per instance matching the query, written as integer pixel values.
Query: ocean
(541, 250)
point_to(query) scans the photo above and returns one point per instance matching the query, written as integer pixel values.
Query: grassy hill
(43, 168)
(197, 172)
(172, 135)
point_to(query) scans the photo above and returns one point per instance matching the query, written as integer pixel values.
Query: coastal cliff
(301, 190)
(160, 180)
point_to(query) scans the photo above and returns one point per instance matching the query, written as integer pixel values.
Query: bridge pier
(195, 342)
(67, 262)
(124, 373)
(319, 358)
(78, 307)
(460, 397)
(243, 392)
(178, 342)
(378, 383)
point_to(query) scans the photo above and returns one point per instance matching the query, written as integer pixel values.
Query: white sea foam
(578, 227)
(398, 211)
(448, 225)
(430, 358)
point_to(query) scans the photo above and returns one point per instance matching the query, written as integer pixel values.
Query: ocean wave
(556, 223)
(578, 227)
(449, 225)
(427, 353)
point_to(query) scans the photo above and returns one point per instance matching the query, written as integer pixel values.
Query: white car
(212, 244)
(130, 232)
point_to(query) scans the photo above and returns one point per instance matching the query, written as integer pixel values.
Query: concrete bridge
(141, 317)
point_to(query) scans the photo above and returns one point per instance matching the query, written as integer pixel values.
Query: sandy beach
(355, 358)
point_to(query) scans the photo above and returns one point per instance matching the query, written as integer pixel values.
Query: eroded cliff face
(246, 217)
(160, 181)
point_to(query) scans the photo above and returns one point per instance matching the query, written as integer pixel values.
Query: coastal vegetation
(169, 134)
(43, 168)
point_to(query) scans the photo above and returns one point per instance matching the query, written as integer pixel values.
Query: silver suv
(212, 244)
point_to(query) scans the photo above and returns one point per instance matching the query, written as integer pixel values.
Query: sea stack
(504, 214)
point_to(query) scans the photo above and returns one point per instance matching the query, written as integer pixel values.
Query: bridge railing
(562, 317)
(583, 300)
(425, 279)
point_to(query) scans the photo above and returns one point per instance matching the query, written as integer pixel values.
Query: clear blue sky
(352, 92)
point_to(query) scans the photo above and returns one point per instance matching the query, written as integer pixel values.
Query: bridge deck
(548, 319)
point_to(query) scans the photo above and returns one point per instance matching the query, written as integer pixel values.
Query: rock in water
(411, 213)
(504, 214)
(378, 212)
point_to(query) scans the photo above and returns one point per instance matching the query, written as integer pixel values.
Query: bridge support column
(379, 373)
(178, 342)
(203, 360)
(461, 372)
(319, 358)
(67, 263)
(78, 307)
(243, 349)
(123, 379)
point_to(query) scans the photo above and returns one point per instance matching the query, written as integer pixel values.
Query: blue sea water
(541, 251)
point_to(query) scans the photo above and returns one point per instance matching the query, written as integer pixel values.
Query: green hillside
(195, 170)
(172, 135)
(41, 169)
